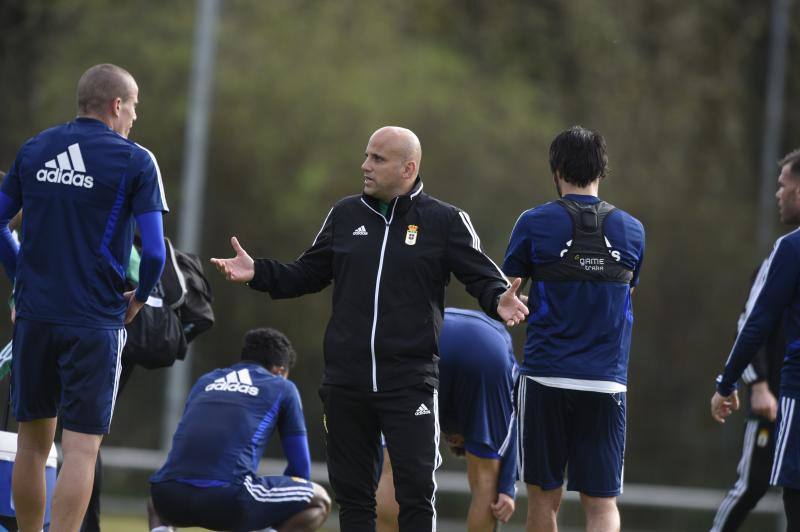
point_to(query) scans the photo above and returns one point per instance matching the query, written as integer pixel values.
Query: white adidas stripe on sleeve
(158, 174)
(476, 243)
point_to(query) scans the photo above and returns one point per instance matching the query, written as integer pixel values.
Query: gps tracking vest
(588, 256)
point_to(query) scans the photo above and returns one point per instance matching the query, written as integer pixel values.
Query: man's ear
(410, 170)
(116, 106)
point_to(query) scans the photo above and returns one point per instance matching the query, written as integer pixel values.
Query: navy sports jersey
(80, 184)
(229, 417)
(577, 330)
(775, 293)
(477, 373)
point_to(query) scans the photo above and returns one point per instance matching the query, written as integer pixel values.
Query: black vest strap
(586, 257)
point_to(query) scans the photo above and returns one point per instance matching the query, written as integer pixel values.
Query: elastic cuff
(723, 388)
(260, 276)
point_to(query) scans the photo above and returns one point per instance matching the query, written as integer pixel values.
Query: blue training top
(776, 290)
(80, 185)
(576, 329)
(230, 415)
(477, 375)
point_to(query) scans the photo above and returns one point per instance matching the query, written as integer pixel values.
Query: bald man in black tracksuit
(389, 252)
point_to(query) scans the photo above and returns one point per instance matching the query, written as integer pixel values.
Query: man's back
(79, 183)
(477, 359)
(577, 329)
(229, 417)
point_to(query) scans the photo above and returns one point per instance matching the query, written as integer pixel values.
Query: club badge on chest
(411, 235)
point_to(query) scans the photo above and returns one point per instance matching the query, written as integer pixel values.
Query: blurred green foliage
(675, 86)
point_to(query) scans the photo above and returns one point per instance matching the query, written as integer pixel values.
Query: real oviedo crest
(411, 235)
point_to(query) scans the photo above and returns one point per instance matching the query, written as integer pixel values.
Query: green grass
(119, 523)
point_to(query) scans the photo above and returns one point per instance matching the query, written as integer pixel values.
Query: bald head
(392, 161)
(101, 85)
(402, 141)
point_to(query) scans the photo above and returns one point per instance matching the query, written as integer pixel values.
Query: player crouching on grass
(210, 478)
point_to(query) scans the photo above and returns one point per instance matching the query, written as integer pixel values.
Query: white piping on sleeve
(476, 243)
(158, 174)
(755, 291)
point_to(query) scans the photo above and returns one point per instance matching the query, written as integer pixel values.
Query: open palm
(240, 268)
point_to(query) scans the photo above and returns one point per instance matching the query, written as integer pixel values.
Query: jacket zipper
(377, 291)
(375, 311)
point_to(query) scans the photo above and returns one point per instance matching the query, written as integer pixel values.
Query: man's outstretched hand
(511, 308)
(240, 268)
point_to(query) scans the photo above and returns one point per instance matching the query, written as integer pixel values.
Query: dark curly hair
(579, 156)
(268, 347)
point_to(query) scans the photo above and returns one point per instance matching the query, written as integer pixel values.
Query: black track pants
(409, 420)
(754, 470)
(791, 504)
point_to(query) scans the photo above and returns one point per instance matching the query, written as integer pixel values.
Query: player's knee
(544, 500)
(414, 491)
(482, 500)
(36, 436)
(598, 505)
(77, 443)
(321, 499)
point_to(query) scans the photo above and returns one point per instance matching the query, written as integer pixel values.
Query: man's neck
(105, 120)
(589, 190)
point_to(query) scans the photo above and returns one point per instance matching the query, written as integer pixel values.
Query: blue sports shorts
(66, 371)
(582, 432)
(786, 463)
(256, 504)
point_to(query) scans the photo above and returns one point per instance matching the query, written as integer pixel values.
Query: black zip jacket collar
(398, 205)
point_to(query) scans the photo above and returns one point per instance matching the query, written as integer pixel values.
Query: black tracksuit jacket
(389, 274)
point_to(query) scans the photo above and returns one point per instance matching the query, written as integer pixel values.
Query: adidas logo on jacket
(235, 381)
(69, 170)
